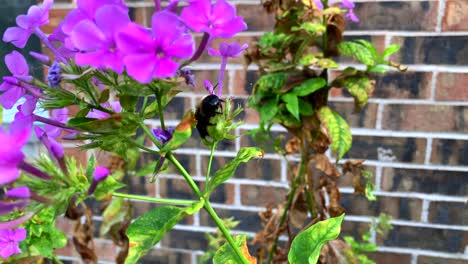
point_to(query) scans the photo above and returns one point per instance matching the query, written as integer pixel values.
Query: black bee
(208, 108)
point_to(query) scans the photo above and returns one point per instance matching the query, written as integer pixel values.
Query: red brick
(430, 118)
(452, 86)
(437, 260)
(262, 195)
(436, 239)
(56, 16)
(256, 17)
(424, 181)
(445, 50)
(449, 213)
(449, 152)
(397, 208)
(366, 118)
(396, 15)
(410, 150)
(390, 258)
(163, 255)
(455, 17)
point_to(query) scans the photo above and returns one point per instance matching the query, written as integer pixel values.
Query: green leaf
(306, 247)
(378, 69)
(292, 104)
(309, 86)
(128, 102)
(226, 255)
(104, 96)
(106, 187)
(369, 47)
(305, 108)
(338, 129)
(182, 133)
(148, 169)
(360, 87)
(227, 171)
(358, 51)
(390, 50)
(90, 168)
(149, 229)
(269, 109)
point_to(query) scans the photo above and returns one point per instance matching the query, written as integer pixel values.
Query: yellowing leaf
(360, 88)
(338, 130)
(226, 255)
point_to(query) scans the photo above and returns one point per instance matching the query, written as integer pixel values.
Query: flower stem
(221, 76)
(28, 168)
(153, 199)
(208, 208)
(208, 170)
(203, 43)
(160, 110)
(49, 121)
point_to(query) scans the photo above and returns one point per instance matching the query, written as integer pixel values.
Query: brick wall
(413, 134)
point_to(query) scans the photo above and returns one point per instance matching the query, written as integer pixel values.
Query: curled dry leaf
(83, 238)
(354, 168)
(336, 26)
(298, 211)
(323, 163)
(293, 145)
(334, 251)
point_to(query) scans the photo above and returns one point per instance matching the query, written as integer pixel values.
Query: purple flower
(151, 55)
(11, 89)
(60, 115)
(116, 107)
(16, 222)
(351, 16)
(100, 174)
(208, 86)
(28, 24)
(50, 143)
(187, 74)
(86, 10)
(219, 19)
(226, 51)
(18, 192)
(8, 206)
(11, 155)
(96, 39)
(9, 239)
(163, 135)
(53, 75)
(346, 4)
(318, 4)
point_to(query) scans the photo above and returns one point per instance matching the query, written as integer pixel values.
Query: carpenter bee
(209, 107)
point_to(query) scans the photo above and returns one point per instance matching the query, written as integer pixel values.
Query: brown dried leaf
(354, 168)
(334, 251)
(334, 208)
(83, 238)
(323, 163)
(336, 26)
(298, 211)
(293, 145)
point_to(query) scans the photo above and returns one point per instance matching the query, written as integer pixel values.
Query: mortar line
(425, 211)
(378, 120)
(378, 178)
(440, 15)
(433, 86)
(427, 157)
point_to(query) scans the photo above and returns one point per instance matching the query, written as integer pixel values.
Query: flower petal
(140, 66)
(16, 63)
(181, 48)
(196, 15)
(230, 28)
(14, 223)
(165, 67)
(134, 39)
(117, 15)
(9, 98)
(223, 12)
(86, 36)
(17, 36)
(8, 174)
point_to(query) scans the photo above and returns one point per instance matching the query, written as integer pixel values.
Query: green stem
(208, 171)
(149, 134)
(291, 194)
(160, 110)
(152, 199)
(208, 207)
(143, 107)
(140, 146)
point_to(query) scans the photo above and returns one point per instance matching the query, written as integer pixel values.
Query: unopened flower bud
(100, 174)
(18, 192)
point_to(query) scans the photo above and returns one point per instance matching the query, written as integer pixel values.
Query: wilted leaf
(358, 51)
(338, 130)
(114, 213)
(306, 247)
(360, 88)
(227, 171)
(323, 163)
